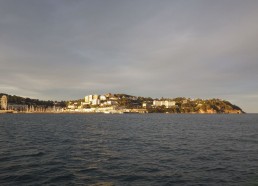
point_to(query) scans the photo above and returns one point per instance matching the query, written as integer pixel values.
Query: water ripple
(108, 150)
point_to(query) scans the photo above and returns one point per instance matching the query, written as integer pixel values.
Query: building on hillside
(88, 99)
(146, 105)
(185, 101)
(103, 98)
(72, 106)
(169, 104)
(108, 95)
(157, 103)
(95, 96)
(84, 103)
(95, 102)
(113, 98)
(166, 103)
(4, 102)
(110, 102)
(134, 98)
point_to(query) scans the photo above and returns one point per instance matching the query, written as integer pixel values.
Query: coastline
(69, 112)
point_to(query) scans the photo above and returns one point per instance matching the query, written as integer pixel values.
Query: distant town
(117, 104)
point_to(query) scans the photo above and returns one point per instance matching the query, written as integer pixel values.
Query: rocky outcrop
(208, 111)
(213, 111)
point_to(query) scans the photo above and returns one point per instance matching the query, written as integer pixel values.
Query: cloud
(66, 49)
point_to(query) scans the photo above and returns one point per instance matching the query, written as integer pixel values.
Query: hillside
(18, 100)
(180, 104)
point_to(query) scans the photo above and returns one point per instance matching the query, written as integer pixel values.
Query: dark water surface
(128, 149)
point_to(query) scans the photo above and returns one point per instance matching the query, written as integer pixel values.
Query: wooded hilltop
(124, 101)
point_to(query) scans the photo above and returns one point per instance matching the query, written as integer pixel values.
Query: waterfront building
(16, 107)
(4, 102)
(72, 106)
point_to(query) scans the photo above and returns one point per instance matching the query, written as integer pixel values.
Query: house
(166, 103)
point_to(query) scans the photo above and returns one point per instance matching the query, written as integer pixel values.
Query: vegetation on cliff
(182, 105)
(211, 106)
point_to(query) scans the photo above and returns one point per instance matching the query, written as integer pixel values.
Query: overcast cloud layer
(53, 49)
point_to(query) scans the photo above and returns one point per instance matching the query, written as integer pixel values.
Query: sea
(128, 149)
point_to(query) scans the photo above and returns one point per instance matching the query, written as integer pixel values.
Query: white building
(72, 107)
(95, 102)
(157, 103)
(169, 104)
(95, 96)
(103, 98)
(88, 99)
(146, 105)
(4, 102)
(165, 103)
(110, 102)
(93, 99)
(113, 98)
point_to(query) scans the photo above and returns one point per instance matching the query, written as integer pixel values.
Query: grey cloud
(64, 49)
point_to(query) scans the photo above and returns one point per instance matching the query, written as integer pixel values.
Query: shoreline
(16, 112)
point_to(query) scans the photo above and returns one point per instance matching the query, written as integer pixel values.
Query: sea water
(128, 149)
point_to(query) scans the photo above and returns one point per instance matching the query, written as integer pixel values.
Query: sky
(63, 49)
